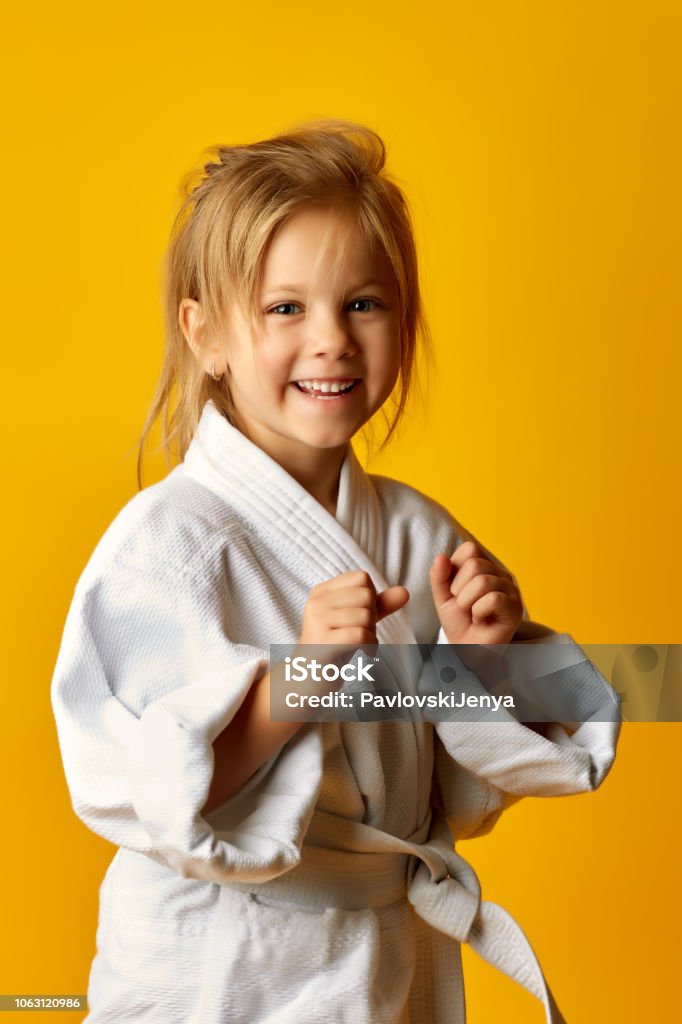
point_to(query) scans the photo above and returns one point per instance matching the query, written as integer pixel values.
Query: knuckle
(364, 579)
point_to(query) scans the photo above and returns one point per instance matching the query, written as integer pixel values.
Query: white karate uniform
(327, 889)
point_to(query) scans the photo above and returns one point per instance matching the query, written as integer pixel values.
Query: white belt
(351, 865)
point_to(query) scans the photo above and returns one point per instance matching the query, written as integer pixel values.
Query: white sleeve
(145, 680)
(516, 759)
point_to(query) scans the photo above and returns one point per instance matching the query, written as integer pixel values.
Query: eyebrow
(302, 288)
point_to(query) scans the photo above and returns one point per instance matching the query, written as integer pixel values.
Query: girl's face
(319, 332)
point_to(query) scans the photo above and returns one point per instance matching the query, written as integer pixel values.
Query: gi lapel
(223, 459)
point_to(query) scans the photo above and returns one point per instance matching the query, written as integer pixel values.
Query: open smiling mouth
(326, 390)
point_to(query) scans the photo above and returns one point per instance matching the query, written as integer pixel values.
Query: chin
(326, 441)
(322, 437)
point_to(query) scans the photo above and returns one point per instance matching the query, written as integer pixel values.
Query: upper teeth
(326, 385)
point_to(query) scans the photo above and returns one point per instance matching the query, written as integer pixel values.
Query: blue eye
(282, 305)
(364, 300)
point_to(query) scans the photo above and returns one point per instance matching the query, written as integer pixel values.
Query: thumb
(441, 575)
(389, 601)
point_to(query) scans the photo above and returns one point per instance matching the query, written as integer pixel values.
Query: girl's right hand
(344, 611)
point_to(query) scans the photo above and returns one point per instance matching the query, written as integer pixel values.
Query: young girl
(291, 872)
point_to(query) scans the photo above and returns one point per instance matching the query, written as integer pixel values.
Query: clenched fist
(344, 610)
(477, 601)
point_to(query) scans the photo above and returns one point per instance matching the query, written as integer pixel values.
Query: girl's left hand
(477, 601)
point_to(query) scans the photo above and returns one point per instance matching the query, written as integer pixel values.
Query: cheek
(274, 361)
(263, 374)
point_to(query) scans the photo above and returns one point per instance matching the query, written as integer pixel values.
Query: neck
(318, 472)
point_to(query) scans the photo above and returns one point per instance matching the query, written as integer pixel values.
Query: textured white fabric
(327, 889)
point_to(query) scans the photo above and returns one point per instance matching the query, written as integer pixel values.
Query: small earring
(213, 373)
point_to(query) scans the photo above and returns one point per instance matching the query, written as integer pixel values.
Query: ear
(206, 349)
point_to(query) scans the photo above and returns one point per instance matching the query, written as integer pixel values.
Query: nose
(330, 335)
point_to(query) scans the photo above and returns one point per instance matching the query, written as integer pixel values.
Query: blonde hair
(230, 211)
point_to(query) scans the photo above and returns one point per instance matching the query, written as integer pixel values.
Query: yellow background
(540, 146)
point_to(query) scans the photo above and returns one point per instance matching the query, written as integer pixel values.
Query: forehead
(321, 244)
